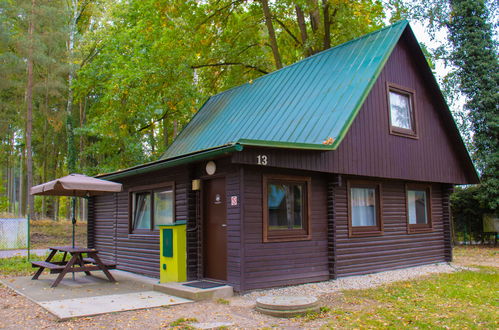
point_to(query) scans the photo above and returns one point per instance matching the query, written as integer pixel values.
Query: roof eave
(174, 161)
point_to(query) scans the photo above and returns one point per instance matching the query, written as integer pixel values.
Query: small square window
(364, 208)
(418, 208)
(401, 111)
(286, 208)
(151, 208)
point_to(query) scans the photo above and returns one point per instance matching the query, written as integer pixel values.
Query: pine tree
(475, 55)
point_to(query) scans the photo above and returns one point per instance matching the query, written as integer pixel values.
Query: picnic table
(77, 263)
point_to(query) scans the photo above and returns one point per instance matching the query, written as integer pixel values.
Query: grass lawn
(465, 299)
(45, 233)
(21, 266)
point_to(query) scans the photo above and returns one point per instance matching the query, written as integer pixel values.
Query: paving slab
(90, 306)
(82, 286)
(91, 294)
(211, 325)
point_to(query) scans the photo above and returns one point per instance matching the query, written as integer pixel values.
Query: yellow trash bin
(173, 253)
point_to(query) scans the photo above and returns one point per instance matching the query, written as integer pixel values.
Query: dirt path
(17, 312)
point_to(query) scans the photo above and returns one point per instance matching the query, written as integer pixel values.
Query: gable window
(150, 207)
(286, 206)
(364, 216)
(402, 111)
(418, 208)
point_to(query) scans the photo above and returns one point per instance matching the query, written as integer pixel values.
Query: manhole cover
(287, 306)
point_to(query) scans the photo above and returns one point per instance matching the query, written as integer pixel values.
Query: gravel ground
(16, 312)
(351, 282)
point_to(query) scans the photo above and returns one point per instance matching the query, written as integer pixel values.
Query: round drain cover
(287, 306)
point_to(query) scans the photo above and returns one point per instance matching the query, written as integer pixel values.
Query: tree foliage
(154, 63)
(468, 209)
(475, 56)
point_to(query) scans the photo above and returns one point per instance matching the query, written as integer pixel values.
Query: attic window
(402, 111)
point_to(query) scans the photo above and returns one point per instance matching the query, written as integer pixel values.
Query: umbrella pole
(73, 220)
(73, 217)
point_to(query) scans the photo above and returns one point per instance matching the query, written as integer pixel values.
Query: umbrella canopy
(77, 185)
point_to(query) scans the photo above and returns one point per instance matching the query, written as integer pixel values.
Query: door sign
(218, 199)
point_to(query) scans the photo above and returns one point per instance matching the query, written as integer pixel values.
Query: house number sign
(261, 159)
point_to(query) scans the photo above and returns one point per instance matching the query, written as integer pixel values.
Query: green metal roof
(299, 106)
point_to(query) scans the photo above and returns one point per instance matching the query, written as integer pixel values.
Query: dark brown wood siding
(109, 216)
(369, 149)
(102, 212)
(395, 248)
(282, 263)
(109, 223)
(232, 182)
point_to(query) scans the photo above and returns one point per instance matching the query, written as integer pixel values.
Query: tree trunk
(272, 37)
(165, 131)
(327, 25)
(300, 18)
(314, 15)
(175, 128)
(69, 108)
(29, 112)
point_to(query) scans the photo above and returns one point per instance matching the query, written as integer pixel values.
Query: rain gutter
(167, 163)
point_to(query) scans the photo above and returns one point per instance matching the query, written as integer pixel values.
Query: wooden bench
(49, 265)
(108, 265)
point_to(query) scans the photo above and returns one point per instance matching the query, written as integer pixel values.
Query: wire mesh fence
(14, 233)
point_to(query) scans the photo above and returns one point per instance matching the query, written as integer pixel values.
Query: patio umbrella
(76, 185)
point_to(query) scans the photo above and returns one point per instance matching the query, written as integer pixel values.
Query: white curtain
(417, 207)
(400, 110)
(163, 207)
(363, 202)
(142, 211)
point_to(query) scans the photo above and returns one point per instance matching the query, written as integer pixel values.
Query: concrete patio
(92, 295)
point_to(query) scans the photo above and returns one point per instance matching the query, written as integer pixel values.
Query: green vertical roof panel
(299, 106)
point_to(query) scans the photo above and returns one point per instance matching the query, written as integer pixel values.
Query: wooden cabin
(340, 164)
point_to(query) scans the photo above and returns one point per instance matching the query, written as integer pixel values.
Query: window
(418, 208)
(364, 216)
(286, 208)
(401, 110)
(150, 207)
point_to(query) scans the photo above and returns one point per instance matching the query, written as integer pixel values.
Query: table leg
(80, 262)
(102, 266)
(70, 264)
(40, 270)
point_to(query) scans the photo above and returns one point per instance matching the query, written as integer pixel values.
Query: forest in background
(93, 86)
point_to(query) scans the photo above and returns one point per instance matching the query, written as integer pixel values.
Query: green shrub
(468, 208)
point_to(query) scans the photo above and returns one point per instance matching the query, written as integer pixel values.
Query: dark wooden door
(215, 229)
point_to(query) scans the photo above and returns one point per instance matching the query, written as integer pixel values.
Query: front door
(215, 229)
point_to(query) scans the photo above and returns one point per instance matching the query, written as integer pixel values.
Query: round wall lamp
(211, 167)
